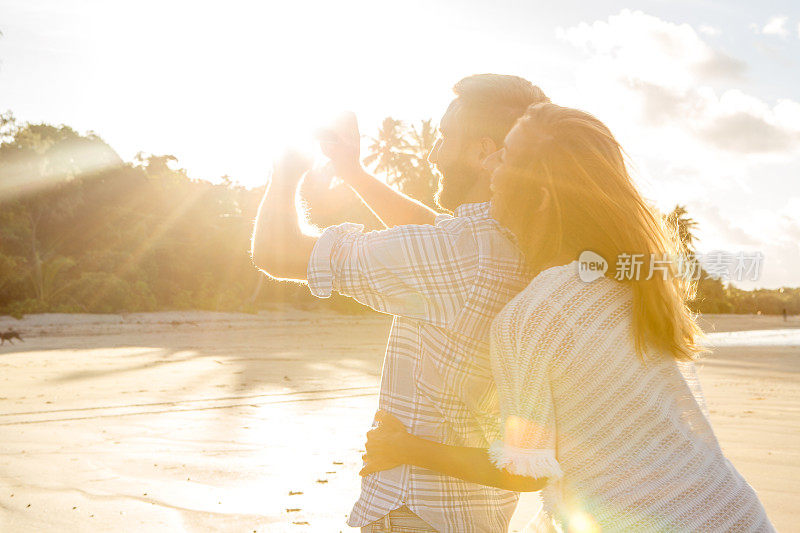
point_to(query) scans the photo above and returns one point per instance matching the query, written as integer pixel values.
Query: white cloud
(653, 50)
(664, 68)
(694, 137)
(743, 124)
(711, 31)
(787, 113)
(776, 26)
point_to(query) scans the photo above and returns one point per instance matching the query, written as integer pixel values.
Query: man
(443, 278)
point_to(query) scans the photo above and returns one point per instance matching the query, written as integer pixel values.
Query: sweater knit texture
(624, 441)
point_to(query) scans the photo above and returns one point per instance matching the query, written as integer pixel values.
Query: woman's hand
(287, 172)
(387, 444)
(341, 143)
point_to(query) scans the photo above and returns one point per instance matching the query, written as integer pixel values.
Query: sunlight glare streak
(137, 255)
(581, 522)
(28, 175)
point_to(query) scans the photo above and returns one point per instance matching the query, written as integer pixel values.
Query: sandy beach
(200, 421)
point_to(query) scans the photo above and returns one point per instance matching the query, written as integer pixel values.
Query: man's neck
(476, 197)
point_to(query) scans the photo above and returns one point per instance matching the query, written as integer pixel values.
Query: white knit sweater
(625, 444)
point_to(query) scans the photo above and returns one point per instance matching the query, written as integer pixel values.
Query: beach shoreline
(201, 421)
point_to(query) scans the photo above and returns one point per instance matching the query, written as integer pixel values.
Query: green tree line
(81, 230)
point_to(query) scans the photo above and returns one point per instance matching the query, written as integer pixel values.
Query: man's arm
(470, 464)
(390, 445)
(342, 144)
(392, 207)
(279, 247)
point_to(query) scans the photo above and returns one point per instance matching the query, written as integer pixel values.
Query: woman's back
(629, 436)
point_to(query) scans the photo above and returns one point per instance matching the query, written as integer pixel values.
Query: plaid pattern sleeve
(320, 274)
(415, 271)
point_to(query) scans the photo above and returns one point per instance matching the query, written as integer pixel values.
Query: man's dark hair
(488, 105)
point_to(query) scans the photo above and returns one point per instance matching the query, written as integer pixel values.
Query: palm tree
(401, 153)
(420, 181)
(423, 138)
(8, 125)
(684, 226)
(389, 151)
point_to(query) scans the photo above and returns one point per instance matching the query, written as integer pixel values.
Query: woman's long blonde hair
(593, 205)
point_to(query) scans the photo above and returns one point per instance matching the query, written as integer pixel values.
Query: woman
(594, 405)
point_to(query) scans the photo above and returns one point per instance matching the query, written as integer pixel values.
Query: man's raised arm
(279, 247)
(342, 144)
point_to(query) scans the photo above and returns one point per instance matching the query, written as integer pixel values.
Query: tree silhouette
(418, 179)
(389, 150)
(83, 231)
(684, 226)
(400, 152)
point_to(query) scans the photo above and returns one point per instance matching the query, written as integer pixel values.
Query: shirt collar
(483, 210)
(471, 210)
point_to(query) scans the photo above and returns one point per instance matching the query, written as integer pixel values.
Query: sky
(704, 96)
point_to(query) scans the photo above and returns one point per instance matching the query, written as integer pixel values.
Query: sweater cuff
(524, 461)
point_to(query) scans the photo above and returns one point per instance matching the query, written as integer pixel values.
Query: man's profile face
(458, 169)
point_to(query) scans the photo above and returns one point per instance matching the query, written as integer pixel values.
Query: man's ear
(545, 203)
(486, 147)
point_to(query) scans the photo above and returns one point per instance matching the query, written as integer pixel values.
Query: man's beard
(455, 183)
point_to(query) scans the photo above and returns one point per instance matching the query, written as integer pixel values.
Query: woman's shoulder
(559, 293)
(565, 282)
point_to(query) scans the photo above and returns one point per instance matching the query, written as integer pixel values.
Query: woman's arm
(278, 246)
(389, 445)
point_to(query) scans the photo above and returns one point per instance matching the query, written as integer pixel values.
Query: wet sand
(229, 422)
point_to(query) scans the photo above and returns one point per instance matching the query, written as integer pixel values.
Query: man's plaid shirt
(444, 283)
